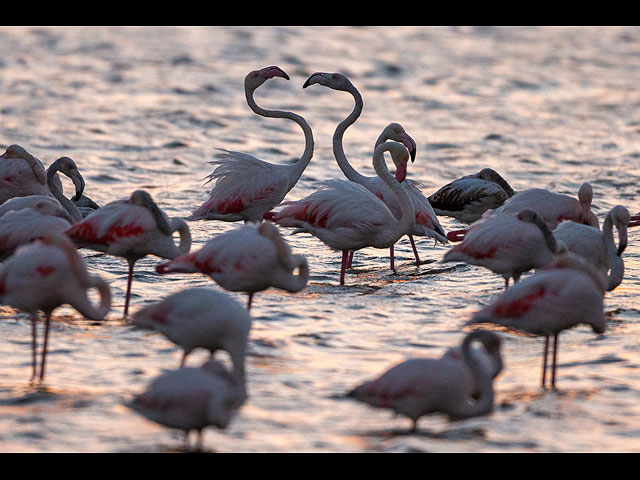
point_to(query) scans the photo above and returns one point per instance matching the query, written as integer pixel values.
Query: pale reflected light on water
(146, 107)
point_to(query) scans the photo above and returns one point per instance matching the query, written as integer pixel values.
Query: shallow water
(146, 107)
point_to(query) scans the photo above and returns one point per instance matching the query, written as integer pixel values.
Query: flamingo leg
(506, 284)
(392, 258)
(129, 281)
(199, 442)
(44, 345)
(249, 302)
(343, 267)
(184, 358)
(350, 258)
(415, 250)
(34, 344)
(544, 363)
(555, 355)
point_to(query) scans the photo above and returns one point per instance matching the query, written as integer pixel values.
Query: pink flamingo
(426, 223)
(192, 398)
(18, 227)
(132, 229)
(249, 259)
(468, 197)
(567, 293)
(508, 245)
(247, 187)
(346, 216)
(554, 208)
(422, 386)
(44, 275)
(200, 318)
(24, 175)
(598, 246)
(41, 203)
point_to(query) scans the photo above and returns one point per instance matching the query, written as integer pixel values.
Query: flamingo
(346, 216)
(24, 175)
(426, 223)
(598, 246)
(508, 245)
(422, 386)
(44, 275)
(567, 293)
(18, 227)
(132, 229)
(41, 203)
(192, 398)
(249, 259)
(468, 197)
(247, 187)
(554, 208)
(200, 318)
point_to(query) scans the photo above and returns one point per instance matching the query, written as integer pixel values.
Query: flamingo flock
(42, 235)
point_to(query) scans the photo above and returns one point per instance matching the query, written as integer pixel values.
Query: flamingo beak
(78, 181)
(401, 172)
(622, 240)
(162, 268)
(311, 80)
(634, 221)
(585, 213)
(408, 142)
(273, 71)
(456, 235)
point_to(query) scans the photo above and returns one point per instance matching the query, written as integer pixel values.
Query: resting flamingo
(422, 386)
(132, 229)
(567, 293)
(598, 246)
(192, 398)
(247, 187)
(346, 216)
(468, 197)
(426, 223)
(44, 275)
(200, 318)
(508, 245)
(554, 208)
(248, 259)
(23, 175)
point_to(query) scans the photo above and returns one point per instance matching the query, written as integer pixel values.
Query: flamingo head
(585, 196)
(143, 199)
(400, 157)
(336, 81)
(621, 219)
(70, 169)
(257, 77)
(395, 131)
(15, 151)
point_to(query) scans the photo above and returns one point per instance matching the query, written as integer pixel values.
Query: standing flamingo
(249, 259)
(346, 216)
(426, 223)
(192, 398)
(567, 293)
(598, 246)
(468, 197)
(554, 208)
(44, 275)
(422, 386)
(508, 245)
(132, 229)
(247, 187)
(200, 318)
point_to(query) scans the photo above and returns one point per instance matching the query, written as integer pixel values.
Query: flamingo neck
(483, 379)
(338, 149)
(294, 283)
(549, 239)
(299, 166)
(55, 190)
(180, 226)
(616, 264)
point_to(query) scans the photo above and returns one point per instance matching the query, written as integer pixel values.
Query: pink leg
(34, 344)
(343, 268)
(44, 345)
(392, 258)
(184, 358)
(129, 281)
(415, 250)
(350, 258)
(506, 284)
(555, 356)
(544, 362)
(249, 302)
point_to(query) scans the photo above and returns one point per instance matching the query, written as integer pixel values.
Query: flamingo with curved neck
(346, 216)
(247, 187)
(44, 275)
(131, 229)
(423, 386)
(426, 223)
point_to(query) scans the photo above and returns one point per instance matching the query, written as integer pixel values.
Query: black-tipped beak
(274, 71)
(308, 80)
(78, 181)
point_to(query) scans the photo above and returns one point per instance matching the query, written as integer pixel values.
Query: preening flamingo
(508, 245)
(553, 208)
(41, 203)
(193, 398)
(422, 386)
(599, 246)
(247, 187)
(468, 197)
(567, 293)
(44, 275)
(249, 259)
(24, 175)
(426, 223)
(346, 216)
(18, 227)
(200, 318)
(132, 229)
